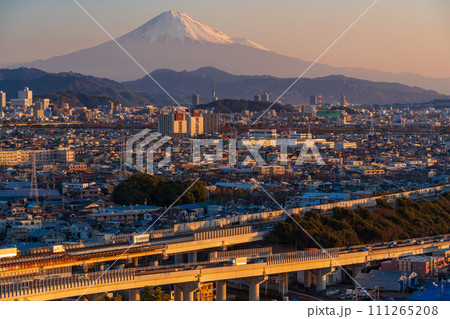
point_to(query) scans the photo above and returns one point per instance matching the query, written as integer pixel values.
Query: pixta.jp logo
(143, 147)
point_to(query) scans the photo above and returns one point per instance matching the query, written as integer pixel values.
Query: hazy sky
(395, 35)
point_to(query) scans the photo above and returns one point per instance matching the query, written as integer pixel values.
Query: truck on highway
(8, 252)
(237, 261)
(138, 239)
(58, 249)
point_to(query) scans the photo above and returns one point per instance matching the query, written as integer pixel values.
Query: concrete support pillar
(212, 255)
(178, 259)
(301, 277)
(308, 278)
(119, 266)
(321, 279)
(153, 263)
(134, 294)
(356, 269)
(284, 284)
(192, 257)
(189, 289)
(221, 290)
(253, 286)
(101, 267)
(178, 293)
(136, 262)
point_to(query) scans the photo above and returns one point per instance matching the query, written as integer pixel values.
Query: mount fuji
(174, 40)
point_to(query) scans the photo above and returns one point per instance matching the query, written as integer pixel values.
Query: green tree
(150, 294)
(143, 188)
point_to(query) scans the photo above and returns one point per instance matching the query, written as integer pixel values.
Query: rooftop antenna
(213, 91)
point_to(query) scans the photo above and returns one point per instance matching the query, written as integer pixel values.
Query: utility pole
(34, 186)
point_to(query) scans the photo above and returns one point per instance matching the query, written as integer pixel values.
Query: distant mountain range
(176, 41)
(77, 88)
(66, 86)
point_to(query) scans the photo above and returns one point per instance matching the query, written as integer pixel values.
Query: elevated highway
(187, 278)
(98, 255)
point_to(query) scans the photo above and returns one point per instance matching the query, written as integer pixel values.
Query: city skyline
(368, 44)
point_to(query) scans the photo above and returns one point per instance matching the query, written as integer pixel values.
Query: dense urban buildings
(113, 191)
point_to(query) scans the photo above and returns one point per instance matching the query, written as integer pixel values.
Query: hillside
(181, 85)
(236, 106)
(52, 84)
(246, 87)
(406, 219)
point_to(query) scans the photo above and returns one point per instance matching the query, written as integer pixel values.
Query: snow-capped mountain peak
(173, 26)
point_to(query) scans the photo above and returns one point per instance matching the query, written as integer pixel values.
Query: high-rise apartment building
(343, 100)
(195, 99)
(25, 98)
(166, 124)
(211, 123)
(315, 100)
(2, 99)
(181, 123)
(195, 123)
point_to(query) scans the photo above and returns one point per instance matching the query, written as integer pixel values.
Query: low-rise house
(387, 280)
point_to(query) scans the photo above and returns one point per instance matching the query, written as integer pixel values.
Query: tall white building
(25, 98)
(2, 99)
(25, 94)
(343, 100)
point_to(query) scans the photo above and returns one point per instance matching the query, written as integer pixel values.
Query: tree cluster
(143, 188)
(386, 222)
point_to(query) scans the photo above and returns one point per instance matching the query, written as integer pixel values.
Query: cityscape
(206, 183)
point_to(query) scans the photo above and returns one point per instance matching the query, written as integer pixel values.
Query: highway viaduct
(187, 279)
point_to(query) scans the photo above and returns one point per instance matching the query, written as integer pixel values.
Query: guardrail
(29, 288)
(227, 232)
(47, 258)
(300, 256)
(226, 255)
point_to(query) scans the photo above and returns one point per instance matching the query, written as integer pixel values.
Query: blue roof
(25, 193)
(190, 206)
(236, 185)
(432, 293)
(39, 232)
(137, 207)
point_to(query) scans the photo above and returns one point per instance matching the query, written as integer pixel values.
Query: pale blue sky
(395, 35)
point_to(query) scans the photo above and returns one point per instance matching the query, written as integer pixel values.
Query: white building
(2, 99)
(44, 157)
(25, 98)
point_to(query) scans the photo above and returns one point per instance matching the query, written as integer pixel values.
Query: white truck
(8, 252)
(237, 261)
(138, 239)
(58, 249)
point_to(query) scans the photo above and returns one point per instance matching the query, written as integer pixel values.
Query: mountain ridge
(183, 84)
(215, 48)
